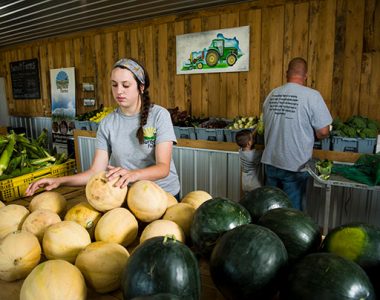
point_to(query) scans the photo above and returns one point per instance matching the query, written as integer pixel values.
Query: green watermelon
(263, 199)
(298, 231)
(161, 265)
(360, 243)
(320, 276)
(248, 262)
(212, 219)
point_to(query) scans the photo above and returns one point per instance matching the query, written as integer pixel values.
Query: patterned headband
(132, 66)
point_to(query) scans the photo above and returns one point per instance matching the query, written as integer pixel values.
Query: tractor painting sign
(224, 50)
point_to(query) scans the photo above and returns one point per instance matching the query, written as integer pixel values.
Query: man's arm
(323, 132)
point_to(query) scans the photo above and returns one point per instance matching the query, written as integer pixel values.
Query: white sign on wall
(223, 50)
(62, 83)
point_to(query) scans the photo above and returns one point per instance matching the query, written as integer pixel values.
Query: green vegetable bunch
(324, 168)
(260, 125)
(20, 156)
(356, 126)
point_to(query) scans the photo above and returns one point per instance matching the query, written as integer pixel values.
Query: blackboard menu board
(25, 79)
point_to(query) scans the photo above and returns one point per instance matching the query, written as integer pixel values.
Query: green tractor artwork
(222, 53)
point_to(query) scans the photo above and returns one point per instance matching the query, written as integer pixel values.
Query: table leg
(327, 209)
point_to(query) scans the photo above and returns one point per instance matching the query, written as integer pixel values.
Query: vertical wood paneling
(179, 80)
(99, 61)
(272, 42)
(321, 47)
(232, 79)
(110, 59)
(148, 44)
(370, 85)
(352, 57)
(68, 59)
(249, 82)
(142, 55)
(205, 79)
(196, 79)
(296, 32)
(155, 61)
(171, 65)
(243, 76)
(372, 26)
(44, 82)
(339, 46)
(8, 83)
(78, 61)
(89, 67)
(210, 82)
(134, 44)
(254, 98)
(223, 97)
(121, 44)
(128, 43)
(339, 38)
(163, 64)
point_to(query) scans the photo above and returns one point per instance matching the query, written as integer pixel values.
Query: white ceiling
(26, 20)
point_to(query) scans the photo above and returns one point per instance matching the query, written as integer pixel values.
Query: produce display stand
(334, 180)
(14, 188)
(74, 195)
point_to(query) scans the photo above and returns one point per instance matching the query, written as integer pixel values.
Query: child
(249, 160)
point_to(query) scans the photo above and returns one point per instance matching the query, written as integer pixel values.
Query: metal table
(334, 180)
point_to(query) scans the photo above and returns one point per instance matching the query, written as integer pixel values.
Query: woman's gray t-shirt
(117, 135)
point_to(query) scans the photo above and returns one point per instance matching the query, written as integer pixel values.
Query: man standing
(293, 114)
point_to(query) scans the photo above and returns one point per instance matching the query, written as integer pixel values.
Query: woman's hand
(125, 176)
(47, 183)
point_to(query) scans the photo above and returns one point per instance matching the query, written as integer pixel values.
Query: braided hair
(145, 105)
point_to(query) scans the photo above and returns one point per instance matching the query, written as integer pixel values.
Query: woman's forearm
(153, 173)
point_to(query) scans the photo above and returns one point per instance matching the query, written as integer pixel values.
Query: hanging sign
(63, 106)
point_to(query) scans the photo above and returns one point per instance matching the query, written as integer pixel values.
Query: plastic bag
(365, 170)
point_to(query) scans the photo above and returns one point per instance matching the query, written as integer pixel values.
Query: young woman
(132, 143)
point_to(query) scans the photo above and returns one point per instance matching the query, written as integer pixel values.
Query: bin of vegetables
(237, 124)
(90, 120)
(212, 129)
(184, 124)
(357, 134)
(24, 160)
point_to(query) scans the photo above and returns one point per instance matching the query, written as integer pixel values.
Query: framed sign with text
(25, 79)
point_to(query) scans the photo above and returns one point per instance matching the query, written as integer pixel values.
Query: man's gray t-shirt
(117, 135)
(291, 114)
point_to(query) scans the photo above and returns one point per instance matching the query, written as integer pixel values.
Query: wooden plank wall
(339, 38)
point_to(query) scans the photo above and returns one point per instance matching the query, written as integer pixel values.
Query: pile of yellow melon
(70, 249)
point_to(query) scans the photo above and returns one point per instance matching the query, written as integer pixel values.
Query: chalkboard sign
(25, 79)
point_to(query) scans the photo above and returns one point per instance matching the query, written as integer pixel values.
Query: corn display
(19, 155)
(101, 114)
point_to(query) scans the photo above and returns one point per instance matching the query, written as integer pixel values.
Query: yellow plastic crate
(14, 188)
